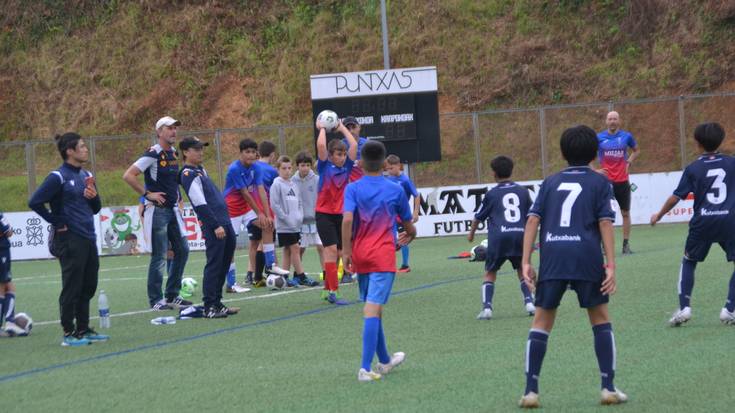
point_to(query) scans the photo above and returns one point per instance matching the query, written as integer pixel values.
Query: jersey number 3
(718, 185)
(574, 189)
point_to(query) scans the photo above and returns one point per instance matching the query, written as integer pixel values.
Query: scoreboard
(398, 107)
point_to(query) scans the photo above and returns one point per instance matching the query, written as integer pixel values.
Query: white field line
(271, 295)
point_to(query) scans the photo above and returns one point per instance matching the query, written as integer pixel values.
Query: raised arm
(321, 142)
(352, 150)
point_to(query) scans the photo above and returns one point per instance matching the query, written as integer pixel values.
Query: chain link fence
(663, 128)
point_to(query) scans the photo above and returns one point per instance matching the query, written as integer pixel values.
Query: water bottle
(163, 320)
(104, 308)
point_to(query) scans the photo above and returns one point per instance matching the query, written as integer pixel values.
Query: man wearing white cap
(162, 219)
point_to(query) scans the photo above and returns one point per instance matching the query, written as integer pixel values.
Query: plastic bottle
(163, 320)
(104, 307)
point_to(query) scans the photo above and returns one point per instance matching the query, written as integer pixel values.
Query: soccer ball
(20, 326)
(275, 282)
(328, 119)
(188, 286)
(484, 243)
(478, 253)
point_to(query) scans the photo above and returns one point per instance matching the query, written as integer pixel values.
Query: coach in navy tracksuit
(219, 236)
(72, 194)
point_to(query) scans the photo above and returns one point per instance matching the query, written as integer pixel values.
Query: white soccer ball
(20, 326)
(484, 243)
(275, 282)
(328, 119)
(188, 286)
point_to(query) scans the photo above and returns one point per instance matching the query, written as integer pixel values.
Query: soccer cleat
(259, 284)
(214, 312)
(485, 314)
(228, 310)
(613, 397)
(249, 279)
(530, 308)
(93, 336)
(305, 280)
(236, 289)
(178, 302)
(333, 299)
(367, 376)
(292, 282)
(395, 361)
(161, 306)
(73, 341)
(404, 269)
(276, 270)
(14, 330)
(727, 317)
(681, 316)
(347, 279)
(627, 250)
(529, 401)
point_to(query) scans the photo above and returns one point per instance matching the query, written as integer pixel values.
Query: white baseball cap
(166, 121)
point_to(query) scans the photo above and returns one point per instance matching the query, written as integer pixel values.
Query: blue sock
(270, 254)
(730, 304)
(382, 349)
(535, 352)
(369, 341)
(605, 351)
(686, 282)
(404, 254)
(488, 289)
(2, 307)
(9, 307)
(231, 279)
(527, 297)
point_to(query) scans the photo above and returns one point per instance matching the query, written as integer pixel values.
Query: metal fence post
(610, 106)
(476, 135)
(542, 134)
(682, 132)
(282, 140)
(92, 156)
(218, 149)
(31, 167)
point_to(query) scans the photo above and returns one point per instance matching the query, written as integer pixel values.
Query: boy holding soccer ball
(371, 206)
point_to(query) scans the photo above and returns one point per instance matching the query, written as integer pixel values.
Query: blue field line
(39, 370)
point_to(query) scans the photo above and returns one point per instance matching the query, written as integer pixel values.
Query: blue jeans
(165, 230)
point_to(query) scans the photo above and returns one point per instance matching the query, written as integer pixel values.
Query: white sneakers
(367, 376)
(395, 361)
(530, 309)
(681, 316)
(485, 314)
(612, 397)
(276, 270)
(727, 317)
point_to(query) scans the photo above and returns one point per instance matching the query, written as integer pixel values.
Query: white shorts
(309, 236)
(241, 222)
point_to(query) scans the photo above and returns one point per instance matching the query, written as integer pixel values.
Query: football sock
(2, 306)
(488, 289)
(382, 349)
(605, 351)
(535, 352)
(686, 282)
(331, 282)
(404, 254)
(231, 275)
(527, 297)
(259, 265)
(270, 254)
(9, 307)
(369, 341)
(730, 304)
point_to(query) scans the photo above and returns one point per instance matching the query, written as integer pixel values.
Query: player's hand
(266, 223)
(347, 261)
(318, 125)
(471, 236)
(529, 276)
(158, 198)
(601, 171)
(219, 232)
(609, 285)
(654, 219)
(9, 233)
(62, 229)
(90, 192)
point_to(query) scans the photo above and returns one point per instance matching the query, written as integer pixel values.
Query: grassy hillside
(104, 67)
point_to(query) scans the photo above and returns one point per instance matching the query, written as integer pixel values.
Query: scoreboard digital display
(397, 107)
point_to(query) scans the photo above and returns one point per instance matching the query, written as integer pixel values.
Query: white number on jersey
(566, 207)
(718, 185)
(512, 205)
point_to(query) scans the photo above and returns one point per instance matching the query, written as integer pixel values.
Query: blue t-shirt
(161, 170)
(711, 179)
(240, 177)
(613, 153)
(570, 205)
(269, 174)
(333, 180)
(505, 208)
(405, 183)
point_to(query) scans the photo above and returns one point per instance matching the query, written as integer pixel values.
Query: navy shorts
(255, 233)
(550, 292)
(621, 191)
(697, 249)
(499, 249)
(5, 275)
(329, 227)
(286, 239)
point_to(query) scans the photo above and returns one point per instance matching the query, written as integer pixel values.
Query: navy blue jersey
(4, 228)
(570, 205)
(205, 197)
(711, 179)
(160, 171)
(505, 208)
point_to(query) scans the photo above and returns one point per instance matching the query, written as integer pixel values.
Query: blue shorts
(697, 249)
(5, 275)
(502, 247)
(375, 287)
(550, 292)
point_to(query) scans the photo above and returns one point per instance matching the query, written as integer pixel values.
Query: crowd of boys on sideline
(354, 212)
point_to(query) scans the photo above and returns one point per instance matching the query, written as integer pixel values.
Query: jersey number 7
(566, 207)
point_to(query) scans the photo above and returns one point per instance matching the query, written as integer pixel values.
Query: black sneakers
(178, 302)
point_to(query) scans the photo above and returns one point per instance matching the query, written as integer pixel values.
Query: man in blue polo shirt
(162, 219)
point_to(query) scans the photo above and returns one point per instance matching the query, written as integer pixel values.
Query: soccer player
(393, 167)
(614, 163)
(308, 182)
(371, 206)
(219, 236)
(71, 193)
(354, 127)
(575, 212)
(711, 178)
(334, 166)
(162, 218)
(7, 288)
(504, 208)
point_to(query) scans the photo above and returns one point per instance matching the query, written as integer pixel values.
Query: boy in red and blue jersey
(334, 166)
(371, 206)
(393, 167)
(614, 163)
(711, 178)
